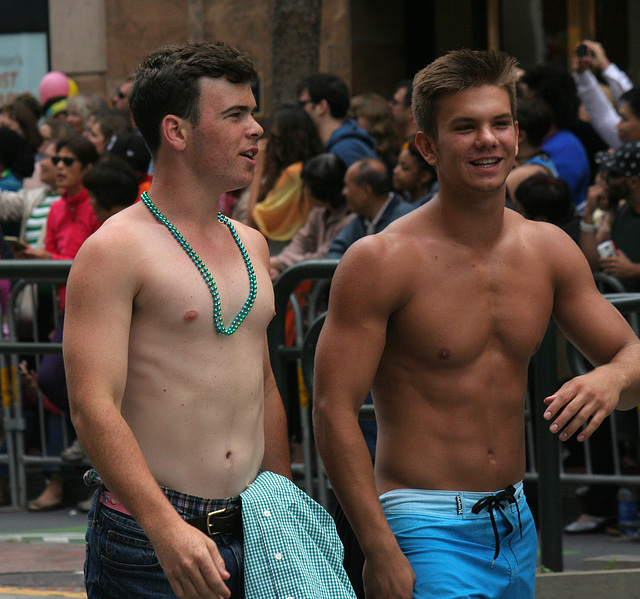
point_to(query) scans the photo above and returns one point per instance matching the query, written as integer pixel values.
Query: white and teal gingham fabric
(291, 547)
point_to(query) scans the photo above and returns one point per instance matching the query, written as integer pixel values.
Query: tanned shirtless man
(439, 316)
(175, 406)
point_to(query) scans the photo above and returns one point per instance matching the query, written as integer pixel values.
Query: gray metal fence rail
(23, 272)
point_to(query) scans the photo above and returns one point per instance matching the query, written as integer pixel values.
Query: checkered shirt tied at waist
(292, 549)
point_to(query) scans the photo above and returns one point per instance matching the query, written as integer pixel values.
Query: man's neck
(327, 126)
(476, 220)
(634, 201)
(375, 207)
(178, 199)
(526, 151)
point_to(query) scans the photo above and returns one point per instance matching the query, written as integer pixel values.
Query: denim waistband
(189, 506)
(445, 503)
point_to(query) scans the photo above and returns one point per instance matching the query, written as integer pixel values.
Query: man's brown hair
(457, 71)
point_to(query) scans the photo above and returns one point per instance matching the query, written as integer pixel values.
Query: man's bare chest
(454, 314)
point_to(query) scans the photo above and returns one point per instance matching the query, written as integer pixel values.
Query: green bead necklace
(204, 271)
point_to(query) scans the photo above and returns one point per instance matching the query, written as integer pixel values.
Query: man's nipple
(444, 353)
(190, 315)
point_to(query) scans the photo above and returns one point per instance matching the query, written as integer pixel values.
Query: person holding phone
(590, 59)
(620, 229)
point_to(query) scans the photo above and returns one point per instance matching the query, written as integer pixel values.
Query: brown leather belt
(220, 522)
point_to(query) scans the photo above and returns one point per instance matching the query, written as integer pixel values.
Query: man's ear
(427, 148)
(175, 131)
(323, 107)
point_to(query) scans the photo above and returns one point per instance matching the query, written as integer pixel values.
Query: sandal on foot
(38, 506)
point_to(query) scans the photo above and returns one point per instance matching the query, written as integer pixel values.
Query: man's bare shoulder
(377, 271)
(543, 234)
(122, 239)
(391, 244)
(253, 239)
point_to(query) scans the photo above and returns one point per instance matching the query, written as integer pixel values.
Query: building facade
(372, 44)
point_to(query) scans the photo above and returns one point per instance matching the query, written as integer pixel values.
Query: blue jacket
(357, 228)
(572, 163)
(351, 143)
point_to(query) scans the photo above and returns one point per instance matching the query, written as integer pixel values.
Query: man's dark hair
(329, 87)
(557, 88)
(545, 197)
(324, 176)
(535, 118)
(81, 148)
(168, 82)
(632, 97)
(112, 183)
(372, 172)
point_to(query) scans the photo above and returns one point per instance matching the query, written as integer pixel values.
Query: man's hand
(597, 197)
(597, 57)
(390, 577)
(192, 563)
(619, 266)
(589, 398)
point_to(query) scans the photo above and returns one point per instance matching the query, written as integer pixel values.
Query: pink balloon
(53, 85)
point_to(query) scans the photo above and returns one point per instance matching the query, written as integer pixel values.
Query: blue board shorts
(457, 551)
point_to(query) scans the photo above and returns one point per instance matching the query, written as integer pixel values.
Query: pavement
(42, 554)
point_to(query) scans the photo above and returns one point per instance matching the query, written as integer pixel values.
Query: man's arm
(604, 337)
(276, 441)
(100, 292)
(602, 114)
(348, 352)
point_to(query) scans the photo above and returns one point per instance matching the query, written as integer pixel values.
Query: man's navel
(190, 315)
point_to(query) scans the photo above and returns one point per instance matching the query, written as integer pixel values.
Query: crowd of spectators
(331, 169)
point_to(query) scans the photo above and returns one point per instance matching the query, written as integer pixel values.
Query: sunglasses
(66, 160)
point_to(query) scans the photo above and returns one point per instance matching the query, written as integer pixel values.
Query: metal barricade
(23, 272)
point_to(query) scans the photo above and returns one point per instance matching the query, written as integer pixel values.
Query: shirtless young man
(439, 315)
(160, 397)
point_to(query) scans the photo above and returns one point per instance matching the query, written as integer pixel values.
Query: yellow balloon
(73, 87)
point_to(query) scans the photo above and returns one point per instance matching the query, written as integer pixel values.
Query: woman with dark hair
(277, 206)
(22, 116)
(322, 180)
(413, 177)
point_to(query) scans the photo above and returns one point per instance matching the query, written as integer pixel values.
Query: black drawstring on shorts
(492, 502)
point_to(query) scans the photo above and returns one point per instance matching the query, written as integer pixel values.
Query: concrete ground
(42, 554)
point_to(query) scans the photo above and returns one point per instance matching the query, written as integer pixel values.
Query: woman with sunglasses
(71, 220)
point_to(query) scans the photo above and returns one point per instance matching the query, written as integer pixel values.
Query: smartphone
(607, 249)
(582, 50)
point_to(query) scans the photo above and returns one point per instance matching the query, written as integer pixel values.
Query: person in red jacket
(70, 222)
